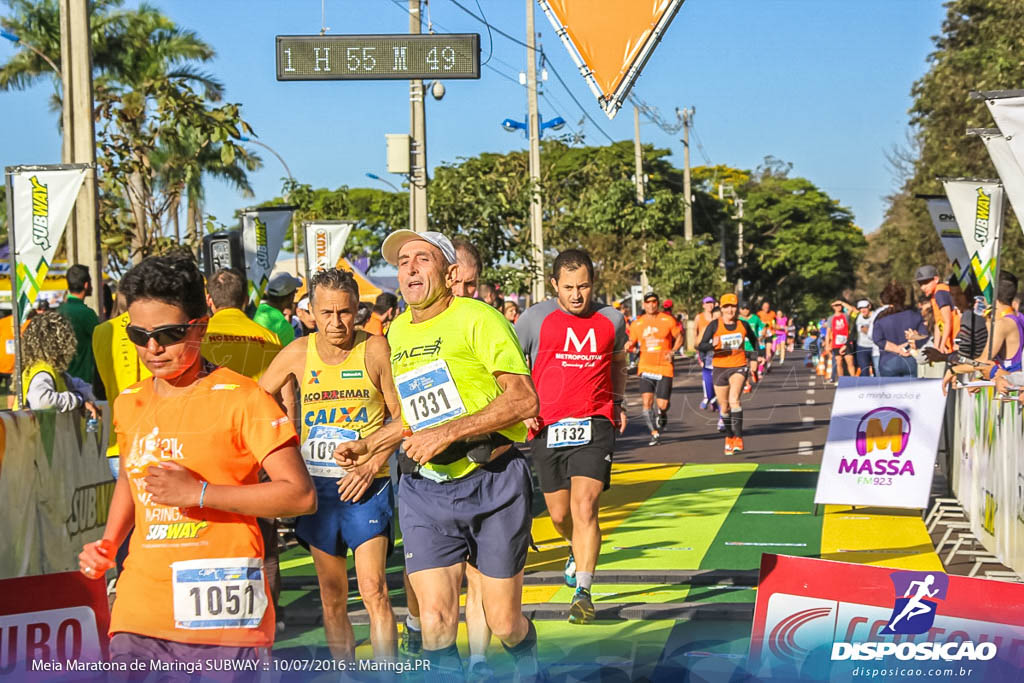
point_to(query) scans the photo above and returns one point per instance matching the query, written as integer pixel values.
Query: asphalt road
(785, 420)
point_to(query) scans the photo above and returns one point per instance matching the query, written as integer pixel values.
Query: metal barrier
(988, 472)
(55, 490)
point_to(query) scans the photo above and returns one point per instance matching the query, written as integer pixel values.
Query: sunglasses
(165, 335)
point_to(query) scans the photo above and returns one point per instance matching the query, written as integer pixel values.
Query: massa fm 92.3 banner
(41, 200)
(881, 444)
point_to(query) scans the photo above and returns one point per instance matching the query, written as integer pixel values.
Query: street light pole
(79, 145)
(374, 176)
(639, 161)
(418, 127)
(536, 215)
(687, 122)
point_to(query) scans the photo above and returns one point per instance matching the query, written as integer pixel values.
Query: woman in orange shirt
(724, 337)
(192, 438)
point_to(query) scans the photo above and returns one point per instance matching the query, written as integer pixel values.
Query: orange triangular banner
(610, 40)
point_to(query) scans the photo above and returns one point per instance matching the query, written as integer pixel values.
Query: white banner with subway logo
(881, 444)
(42, 198)
(325, 244)
(263, 233)
(1009, 170)
(978, 207)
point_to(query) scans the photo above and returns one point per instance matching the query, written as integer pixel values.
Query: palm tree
(146, 73)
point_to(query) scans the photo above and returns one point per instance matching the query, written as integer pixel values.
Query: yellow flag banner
(610, 40)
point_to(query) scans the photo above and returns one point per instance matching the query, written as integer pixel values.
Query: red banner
(49, 621)
(805, 606)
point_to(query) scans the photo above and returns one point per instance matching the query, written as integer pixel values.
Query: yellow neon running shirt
(341, 395)
(473, 341)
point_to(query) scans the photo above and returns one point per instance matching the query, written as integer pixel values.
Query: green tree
(979, 48)
(158, 130)
(801, 247)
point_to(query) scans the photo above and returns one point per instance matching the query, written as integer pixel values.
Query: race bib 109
(318, 450)
(219, 593)
(429, 396)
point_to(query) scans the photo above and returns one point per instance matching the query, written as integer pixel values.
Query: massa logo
(40, 213)
(883, 429)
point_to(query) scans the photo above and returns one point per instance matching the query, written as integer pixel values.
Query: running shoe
(570, 571)
(662, 420)
(410, 643)
(746, 388)
(480, 672)
(737, 444)
(704, 404)
(581, 611)
(729, 445)
(721, 424)
(655, 438)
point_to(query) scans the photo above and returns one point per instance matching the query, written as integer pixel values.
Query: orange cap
(728, 300)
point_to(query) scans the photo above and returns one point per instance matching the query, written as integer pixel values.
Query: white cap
(303, 304)
(396, 240)
(282, 283)
(863, 303)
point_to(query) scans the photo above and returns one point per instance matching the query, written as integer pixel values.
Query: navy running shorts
(556, 467)
(338, 525)
(483, 518)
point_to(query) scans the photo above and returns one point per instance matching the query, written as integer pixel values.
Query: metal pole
(995, 284)
(67, 89)
(77, 106)
(295, 228)
(739, 252)
(12, 244)
(721, 253)
(688, 226)
(640, 187)
(533, 126)
(418, 125)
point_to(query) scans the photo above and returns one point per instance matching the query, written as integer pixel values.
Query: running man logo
(917, 596)
(981, 214)
(262, 253)
(40, 213)
(577, 343)
(883, 429)
(314, 377)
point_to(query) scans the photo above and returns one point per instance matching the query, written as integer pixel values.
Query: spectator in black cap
(941, 302)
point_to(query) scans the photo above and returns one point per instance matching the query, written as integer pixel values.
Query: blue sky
(823, 84)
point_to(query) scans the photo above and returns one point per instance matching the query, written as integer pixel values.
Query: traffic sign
(378, 57)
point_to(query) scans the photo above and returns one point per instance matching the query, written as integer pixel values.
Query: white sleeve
(42, 393)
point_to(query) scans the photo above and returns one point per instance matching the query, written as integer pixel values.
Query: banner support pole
(998, 246)
(15, 308)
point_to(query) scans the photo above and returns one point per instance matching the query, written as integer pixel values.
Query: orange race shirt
(768, 319)
(374, 325)
(195, 575)
(655, 334)
(703, 320)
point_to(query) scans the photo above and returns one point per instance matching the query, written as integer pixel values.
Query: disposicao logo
(917, 598)
(881, 432)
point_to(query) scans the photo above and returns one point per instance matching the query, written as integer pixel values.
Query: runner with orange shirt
(767, 316)
(194, 585)
(658, 336)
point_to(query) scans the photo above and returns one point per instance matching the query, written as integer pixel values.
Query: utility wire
(490, 38)
(495, 28)
(573, 97)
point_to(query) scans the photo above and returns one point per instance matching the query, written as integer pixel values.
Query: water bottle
(92, 425)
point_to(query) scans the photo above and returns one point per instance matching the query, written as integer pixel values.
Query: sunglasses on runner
(165, 335)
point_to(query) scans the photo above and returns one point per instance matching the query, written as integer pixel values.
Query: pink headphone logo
(883, 429)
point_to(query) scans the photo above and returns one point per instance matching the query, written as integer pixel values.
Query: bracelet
(202, 493)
